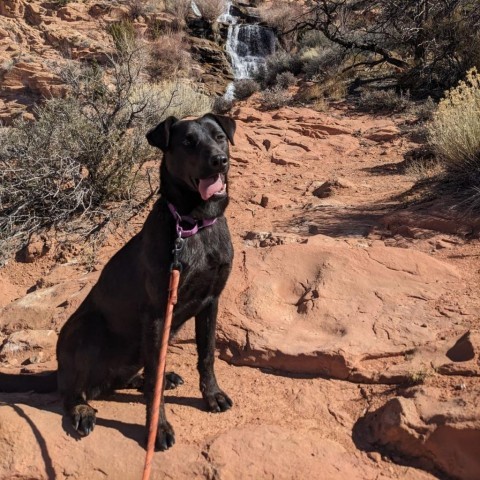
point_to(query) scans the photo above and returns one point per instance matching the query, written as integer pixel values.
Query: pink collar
(197, 224)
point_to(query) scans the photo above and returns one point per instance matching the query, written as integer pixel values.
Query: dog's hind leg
(82, 369)
(205, 324)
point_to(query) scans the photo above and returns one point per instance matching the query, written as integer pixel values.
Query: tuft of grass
(417, 378)
(123, 34)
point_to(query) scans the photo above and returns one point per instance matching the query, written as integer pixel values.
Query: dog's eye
(187, 142)
(220, 137)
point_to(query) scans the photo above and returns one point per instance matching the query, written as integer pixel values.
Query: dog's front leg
(152, 333)
(205, 324)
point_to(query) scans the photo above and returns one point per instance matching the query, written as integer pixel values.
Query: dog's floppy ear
(228, 124)
(160, 135)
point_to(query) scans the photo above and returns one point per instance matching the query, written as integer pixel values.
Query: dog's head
(196, 152)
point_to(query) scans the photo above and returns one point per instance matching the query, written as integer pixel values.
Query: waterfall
(247, 46)
(226, 16)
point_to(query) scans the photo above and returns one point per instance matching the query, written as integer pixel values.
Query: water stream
(247, 45)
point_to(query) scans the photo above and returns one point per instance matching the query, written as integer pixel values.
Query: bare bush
(85, 150)
(136, 9)
(455, 134)
(222, 105)
(281, 16)
(180, 10)
(245, 88)
(169, 56)
(384, 101)
(273, 98)
(211, 9)
(320, 62)
(430, 43)
(285, 79)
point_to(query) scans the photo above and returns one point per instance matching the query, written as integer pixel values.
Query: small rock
(375, 456)
(440, 244)
(382, 134)
(27, 340)
(35, 358)
(264, 201)
(329, 188)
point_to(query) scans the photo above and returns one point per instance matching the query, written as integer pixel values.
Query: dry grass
(273, 98)
(85, 151)
(455, 129)
(384, 101)
(334, 88)
(211, 9)
(281, 15)
(454, 135)
(180, 98)
(169, 56)
(180, 10)
(123, 34)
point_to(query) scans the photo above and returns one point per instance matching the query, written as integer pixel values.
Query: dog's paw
(218, 401)
(136, 383)
(172, 380)
(165, 437)
(83, 419)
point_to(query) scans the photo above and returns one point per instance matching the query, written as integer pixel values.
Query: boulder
(430, 430)
(347, 311)
(45, 308)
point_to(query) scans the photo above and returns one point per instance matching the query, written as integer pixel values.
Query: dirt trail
(355, 328)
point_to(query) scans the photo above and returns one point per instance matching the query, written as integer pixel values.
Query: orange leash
(153, 427)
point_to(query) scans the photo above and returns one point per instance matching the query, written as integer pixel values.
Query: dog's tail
(27, 382)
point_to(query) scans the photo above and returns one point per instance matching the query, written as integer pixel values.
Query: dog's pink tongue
(210, 186)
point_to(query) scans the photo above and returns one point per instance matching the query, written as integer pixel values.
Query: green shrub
(277, 63)
(123, 34)
(320, 62)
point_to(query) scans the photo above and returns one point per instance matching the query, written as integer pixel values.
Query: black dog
(116, 330)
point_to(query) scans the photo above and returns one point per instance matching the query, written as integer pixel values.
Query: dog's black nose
(218, 161)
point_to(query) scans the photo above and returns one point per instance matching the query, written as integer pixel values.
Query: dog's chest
(206, 259)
